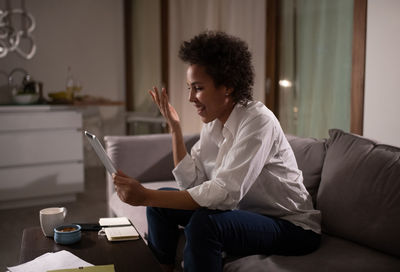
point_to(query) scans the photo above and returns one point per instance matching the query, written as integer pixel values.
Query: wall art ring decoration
(16, 27)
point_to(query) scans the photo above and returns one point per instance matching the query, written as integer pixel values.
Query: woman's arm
(178, 145)
(132, 192)
(170, 199)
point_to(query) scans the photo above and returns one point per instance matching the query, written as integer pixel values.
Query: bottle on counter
(69, 85)
(72, 85)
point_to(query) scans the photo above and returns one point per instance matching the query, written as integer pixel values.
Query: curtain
(146, 40)
(242, 18)
(315, 66)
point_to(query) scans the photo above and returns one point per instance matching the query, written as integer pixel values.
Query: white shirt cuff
(184, 172)
(212, 196)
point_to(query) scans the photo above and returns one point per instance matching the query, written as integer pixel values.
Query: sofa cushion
(335, 254)
(310, 155)
(359, 193)
(137, 214)
(131, 155)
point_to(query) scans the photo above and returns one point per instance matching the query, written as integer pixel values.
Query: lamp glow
(285, 83)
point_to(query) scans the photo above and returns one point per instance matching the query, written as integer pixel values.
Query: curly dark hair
(226, 59)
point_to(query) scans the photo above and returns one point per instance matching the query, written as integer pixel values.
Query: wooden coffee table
(125, 255)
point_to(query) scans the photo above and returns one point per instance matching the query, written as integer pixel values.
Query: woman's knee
(152, 212)
(203, 247)
(200, 227)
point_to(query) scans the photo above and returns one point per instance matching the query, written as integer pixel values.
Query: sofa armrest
(147, 158)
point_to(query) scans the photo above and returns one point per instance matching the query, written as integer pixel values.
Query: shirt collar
(215, 132)
(218, 132)
(232, 124)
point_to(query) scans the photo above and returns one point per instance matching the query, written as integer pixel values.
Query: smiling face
(210, 101)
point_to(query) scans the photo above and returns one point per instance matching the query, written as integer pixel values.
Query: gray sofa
(354, 181)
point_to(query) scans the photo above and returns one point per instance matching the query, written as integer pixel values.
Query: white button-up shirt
(247, 164)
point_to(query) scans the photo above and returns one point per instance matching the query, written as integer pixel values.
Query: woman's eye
(195, 88)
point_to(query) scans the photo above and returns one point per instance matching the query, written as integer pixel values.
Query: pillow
(310, 154)
(359, 194)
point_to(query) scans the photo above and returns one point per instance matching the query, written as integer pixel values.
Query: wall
(84, 34)
(88, 36)
(382, 91)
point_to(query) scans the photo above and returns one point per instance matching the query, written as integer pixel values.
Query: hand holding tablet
(101, 153)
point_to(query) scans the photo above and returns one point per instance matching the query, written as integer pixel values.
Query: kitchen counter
(42, 155)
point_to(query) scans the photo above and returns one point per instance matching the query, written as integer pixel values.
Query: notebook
(121, 233)
(96, 268)
(114, 221)
(118, 229)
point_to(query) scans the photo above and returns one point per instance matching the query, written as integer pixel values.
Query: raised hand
(166, 109)
(171, 116)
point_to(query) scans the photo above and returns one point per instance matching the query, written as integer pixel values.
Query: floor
(89, 207)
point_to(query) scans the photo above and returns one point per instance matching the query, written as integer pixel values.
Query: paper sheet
(50, 261)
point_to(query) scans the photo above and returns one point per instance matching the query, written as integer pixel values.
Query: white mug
(51, 218)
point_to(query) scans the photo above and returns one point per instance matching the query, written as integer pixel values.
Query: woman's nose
(192, 95)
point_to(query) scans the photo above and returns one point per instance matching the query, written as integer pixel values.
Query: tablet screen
(101, 153)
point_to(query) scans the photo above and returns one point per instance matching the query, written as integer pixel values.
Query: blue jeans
(211, 232)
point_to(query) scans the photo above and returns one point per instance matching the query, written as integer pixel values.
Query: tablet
(101, 153)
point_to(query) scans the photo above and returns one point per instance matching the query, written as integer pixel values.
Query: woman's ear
(225, 90)
(228, 91)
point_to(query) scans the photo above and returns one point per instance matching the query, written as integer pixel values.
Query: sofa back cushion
(359, 194)
(310, 154)
(147, 158)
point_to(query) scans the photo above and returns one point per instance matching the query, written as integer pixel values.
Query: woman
(241, 191)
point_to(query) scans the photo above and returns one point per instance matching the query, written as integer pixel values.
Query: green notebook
(96, 268)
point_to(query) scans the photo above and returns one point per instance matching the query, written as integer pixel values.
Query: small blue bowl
(67, 234)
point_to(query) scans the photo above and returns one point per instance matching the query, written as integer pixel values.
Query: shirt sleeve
(189, 172)
(243, 161)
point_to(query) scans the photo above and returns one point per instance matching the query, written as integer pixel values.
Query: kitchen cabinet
(41, 155)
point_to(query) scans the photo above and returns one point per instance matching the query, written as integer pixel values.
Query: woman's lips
(200, 108)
